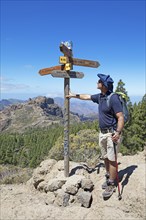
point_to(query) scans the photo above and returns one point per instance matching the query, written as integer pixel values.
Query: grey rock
(62, 198)
(71, 189)
(37, 179)
(49, 198)
(84, 198)
(87, 184)
(72, 184)
(41, 186)
(46, 166)
(53, 185)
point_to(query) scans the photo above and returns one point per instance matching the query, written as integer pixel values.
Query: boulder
(84, 198)
(62, 198)
(53, 185)
(49, 198)
(46, 166)
(73, 184)
(40, 172)
(87, 184)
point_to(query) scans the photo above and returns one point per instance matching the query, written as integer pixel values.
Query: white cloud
(5, 79)
(7, 87)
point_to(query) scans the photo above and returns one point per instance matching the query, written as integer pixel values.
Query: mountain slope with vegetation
(29, 148)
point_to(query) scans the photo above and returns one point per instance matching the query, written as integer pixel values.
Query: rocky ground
(24, 201)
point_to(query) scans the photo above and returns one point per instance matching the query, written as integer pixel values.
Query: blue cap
(107, 81)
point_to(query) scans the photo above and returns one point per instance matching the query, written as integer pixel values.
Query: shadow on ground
(87, 168)
(128, 172)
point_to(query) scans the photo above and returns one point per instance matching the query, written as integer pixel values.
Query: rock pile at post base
(63, 191)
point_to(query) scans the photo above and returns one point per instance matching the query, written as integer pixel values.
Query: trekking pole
(117, 177)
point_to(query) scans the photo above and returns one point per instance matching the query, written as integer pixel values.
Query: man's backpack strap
(108, 99)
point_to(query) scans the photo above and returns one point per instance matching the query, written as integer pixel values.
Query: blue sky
(111, 32)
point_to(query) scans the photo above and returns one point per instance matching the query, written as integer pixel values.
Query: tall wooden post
(63, 71)
(66, 126)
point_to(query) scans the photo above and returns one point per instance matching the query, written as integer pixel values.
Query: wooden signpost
(65, 71)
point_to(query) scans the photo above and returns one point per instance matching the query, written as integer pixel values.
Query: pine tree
(126, 131)
(134, 133)
(120, 88)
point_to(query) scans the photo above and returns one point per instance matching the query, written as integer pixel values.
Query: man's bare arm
(79, 96)
(120, 125)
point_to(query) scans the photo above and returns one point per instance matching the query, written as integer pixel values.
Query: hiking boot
(109, 190)
(105, 184)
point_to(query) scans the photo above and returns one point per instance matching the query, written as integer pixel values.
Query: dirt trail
(19, 202)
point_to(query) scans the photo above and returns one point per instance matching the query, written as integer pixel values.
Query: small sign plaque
(65, 74)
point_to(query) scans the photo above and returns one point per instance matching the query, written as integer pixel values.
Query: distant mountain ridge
(86, 108)
(78, 106)
(6, 102)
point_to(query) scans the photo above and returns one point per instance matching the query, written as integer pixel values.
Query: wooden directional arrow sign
(49, 70)
(81, 62)
(67, 52)
(64, 74)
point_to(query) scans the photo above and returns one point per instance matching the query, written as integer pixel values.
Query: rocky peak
(41, 100)
(40, 111)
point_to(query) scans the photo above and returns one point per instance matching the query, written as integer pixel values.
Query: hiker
(111, 123)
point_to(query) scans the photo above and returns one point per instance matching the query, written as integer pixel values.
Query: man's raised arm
(79, 96)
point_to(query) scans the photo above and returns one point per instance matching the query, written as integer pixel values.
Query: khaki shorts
(107, 146)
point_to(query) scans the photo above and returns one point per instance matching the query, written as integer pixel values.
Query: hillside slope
(24, 202)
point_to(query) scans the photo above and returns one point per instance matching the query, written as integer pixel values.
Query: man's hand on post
(70, 95)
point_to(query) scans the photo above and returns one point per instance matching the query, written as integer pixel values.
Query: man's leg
(106, 162)
(112, 170)
(112, 157)
(110, 167)
(107, 175)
